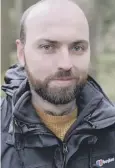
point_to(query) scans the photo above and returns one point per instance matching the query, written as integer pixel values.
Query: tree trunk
(28, 3)
(90, 8)
(95, 34)
(6, 41)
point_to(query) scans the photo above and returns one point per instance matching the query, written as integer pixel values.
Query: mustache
(64, 74)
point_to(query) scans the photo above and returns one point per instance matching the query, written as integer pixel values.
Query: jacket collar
(93, 104)
(94, 107)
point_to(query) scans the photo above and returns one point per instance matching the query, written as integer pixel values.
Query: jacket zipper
(65, 151)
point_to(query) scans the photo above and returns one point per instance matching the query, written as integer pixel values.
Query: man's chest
(100, 154)
(75, 154)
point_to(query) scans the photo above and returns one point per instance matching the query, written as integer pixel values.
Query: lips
(64, 79)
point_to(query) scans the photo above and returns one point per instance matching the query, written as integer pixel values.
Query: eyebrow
(47, 40)
(81, 42)
(57, 42)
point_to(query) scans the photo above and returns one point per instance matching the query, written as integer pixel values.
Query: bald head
(56, 47)
(51, 10)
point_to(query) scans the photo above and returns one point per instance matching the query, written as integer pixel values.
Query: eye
(46, 47)
(78, 48)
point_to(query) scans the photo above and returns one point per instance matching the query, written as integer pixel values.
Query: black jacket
(28, 143)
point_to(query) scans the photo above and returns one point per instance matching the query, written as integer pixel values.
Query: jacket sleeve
(9, 156)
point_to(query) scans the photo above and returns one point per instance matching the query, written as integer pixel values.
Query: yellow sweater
(59, 125)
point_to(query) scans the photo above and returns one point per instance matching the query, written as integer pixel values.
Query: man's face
(57, 53)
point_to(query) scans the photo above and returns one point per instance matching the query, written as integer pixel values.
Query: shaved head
(54, 48)
(46, 6)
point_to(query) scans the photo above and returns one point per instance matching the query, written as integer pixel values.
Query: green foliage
(106, 74)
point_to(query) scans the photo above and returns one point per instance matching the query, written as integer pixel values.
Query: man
(54, 114)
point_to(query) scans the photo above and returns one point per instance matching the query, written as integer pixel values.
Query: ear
(20, 52)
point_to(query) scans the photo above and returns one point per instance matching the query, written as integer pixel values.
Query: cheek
(40, 66)
(82, 62)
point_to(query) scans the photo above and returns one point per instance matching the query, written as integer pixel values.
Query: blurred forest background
(101, 17)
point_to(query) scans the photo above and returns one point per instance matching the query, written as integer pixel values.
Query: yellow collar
(59, 125)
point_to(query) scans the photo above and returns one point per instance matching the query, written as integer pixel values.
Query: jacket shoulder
(6, 113)
(9, 156)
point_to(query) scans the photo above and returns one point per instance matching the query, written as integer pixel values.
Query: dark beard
(57, 96)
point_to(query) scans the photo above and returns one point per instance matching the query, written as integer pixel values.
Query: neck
(52, 109)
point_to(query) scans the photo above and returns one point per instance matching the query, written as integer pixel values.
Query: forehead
(55, 21)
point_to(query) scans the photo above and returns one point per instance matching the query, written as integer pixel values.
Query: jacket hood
(14, 76)
(95, 107)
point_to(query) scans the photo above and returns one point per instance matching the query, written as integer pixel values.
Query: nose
(65, 62)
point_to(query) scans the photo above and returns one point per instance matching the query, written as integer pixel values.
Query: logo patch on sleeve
(102, 162)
